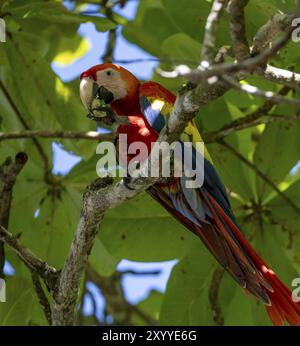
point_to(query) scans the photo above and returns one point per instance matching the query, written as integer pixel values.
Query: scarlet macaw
(205, 211)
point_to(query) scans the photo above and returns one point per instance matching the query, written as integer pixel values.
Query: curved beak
(88, 91)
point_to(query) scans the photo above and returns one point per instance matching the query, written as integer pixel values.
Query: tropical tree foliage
(45, 209)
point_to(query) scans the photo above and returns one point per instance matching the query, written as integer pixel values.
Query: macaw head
(110, 82)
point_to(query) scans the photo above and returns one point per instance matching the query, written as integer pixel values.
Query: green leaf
(151, 26)
(181, 46)
(187, 281)
(140, 230)
(55, 12)
(19, 303)
(71, 50)
(101, 260)
(287, 219)
(149, 306)
(191, 14)
(277, 153)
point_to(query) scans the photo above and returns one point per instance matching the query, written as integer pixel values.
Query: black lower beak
(105, 95)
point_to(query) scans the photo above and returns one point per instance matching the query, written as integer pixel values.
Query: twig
(261, 175)
(213, 295)
(211, 28)
(117, 306)
(158, 60)
(212, 137)
(46, 272)
(41, 296)
(9, 171)
(238, 29)
(90, 135)
(147, 319)
(141, 273)
(268, 95)
(43, 155)
(241, 123)
(248, 65)
(112, 34)
(110, 46)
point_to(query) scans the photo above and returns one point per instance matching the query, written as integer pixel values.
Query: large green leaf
(17, 311)
(150, 306)
(187, 282)
(277, 153)
(151, 26)
(54, 12)
(181, 46)
(101, 260)
(140, 230)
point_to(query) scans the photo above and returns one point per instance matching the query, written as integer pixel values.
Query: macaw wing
(156, 104)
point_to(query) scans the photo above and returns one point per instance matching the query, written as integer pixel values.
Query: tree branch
(117, 305)
(249, 65)
(277, 24)
(281, 76)
(211, 29)
(110, 46)
(249, 120)
(9, 171)
(91, 135)
(268, 95)
(41, 296)
(40, 150)
(238, 29)
(46, 272)
(213, 295)
(112, 34)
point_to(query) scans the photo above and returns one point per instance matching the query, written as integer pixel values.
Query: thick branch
(277, 24)
(238, 29)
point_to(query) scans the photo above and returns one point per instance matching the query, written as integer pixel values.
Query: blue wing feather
(153, 116)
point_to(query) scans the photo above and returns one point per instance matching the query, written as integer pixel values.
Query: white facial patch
(112, 81)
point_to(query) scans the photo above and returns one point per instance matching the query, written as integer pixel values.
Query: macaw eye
(108, 73)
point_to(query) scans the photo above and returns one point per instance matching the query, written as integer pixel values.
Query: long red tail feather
(282, 307)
